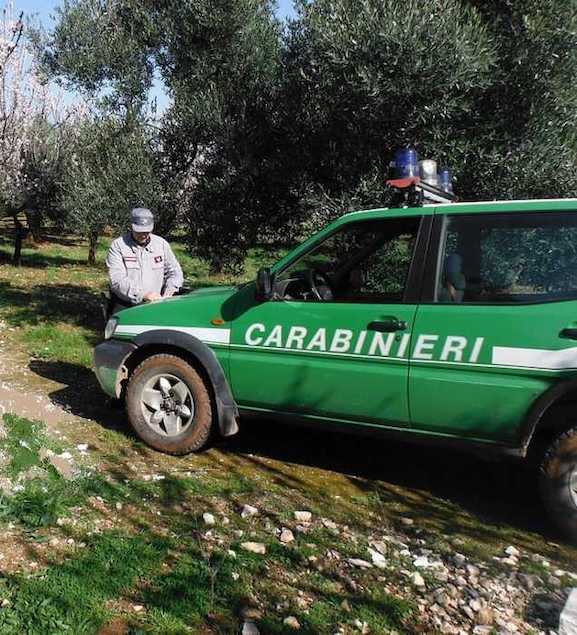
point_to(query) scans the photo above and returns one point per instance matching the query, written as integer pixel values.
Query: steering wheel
(319, 284)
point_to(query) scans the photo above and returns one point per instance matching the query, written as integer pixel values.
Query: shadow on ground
(39, 259)
(495, 492)
(450, 492)
(66, 303)
(81, 394)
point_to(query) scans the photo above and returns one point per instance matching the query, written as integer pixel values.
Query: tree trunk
(34, 221)
(20, 233)
(92, 246)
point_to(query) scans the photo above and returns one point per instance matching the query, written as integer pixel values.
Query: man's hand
(152, 297)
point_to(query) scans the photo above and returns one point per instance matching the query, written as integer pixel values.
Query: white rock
(362, 564)
(286, 536)
(235, 576)
(82, 447)
(418, 580)
(378, 559)
(249, 628)
(362, 626)
(408, 522)
(441, 574)
(138, 608)
(303, 516)
(291, 622)
(254, 547)
(511, 561)
(208, 518)
(512, 551)
(248, 511)
(422, 562)
(459, 559)
(380, 546)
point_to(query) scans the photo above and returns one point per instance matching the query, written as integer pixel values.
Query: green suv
(451, 323)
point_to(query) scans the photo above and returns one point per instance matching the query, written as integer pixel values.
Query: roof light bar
(412, 191)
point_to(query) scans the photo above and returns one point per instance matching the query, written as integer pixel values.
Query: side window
(366, 261)
(508, 258)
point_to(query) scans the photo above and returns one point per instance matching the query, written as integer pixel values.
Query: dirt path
(24, 394)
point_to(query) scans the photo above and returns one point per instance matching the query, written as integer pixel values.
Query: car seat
(454, 281)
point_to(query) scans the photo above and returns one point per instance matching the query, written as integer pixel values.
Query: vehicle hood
(197, 309)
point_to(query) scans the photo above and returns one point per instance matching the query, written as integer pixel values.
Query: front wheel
(169, 405)
(559, 482)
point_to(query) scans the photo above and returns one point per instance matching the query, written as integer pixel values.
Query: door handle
(387, 325)
(570, 333)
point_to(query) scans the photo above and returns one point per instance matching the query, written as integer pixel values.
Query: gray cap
(141, 220)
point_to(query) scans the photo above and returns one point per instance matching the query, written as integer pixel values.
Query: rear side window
(508, 258)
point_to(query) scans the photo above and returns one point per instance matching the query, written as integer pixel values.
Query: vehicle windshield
(365, 261)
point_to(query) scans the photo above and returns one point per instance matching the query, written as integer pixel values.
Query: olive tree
(112, 170)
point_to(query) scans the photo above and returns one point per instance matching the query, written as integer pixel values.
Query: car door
(495, 319)
(342, 355)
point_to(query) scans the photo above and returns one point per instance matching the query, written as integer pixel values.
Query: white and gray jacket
(136, 270)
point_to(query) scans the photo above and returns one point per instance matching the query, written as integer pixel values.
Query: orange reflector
(217, 321)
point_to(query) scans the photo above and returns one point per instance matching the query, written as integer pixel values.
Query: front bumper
(109, 359)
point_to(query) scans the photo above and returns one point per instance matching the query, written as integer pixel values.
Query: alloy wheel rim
(167, 405)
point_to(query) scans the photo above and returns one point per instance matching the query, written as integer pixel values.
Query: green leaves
(114, 169)
(272, 130)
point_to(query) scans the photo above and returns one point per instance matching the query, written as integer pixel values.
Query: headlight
(110, 327)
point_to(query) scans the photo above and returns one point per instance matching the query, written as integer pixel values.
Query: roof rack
(411, 191)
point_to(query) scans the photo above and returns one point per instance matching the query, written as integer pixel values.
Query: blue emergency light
(406, 163)
(446, 180)
(418, 182)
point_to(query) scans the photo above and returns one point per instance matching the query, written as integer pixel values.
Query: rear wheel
(169, 405)
(559, 482)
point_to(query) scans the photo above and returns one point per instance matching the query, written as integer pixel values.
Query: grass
(72, 596)
(167, 565)
(53, 301)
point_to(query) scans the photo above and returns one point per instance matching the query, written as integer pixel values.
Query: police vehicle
(436, 321)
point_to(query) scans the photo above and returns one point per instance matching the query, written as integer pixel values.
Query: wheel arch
(201, 357)
(552, 413)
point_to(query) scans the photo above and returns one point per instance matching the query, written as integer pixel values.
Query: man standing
(141, 265)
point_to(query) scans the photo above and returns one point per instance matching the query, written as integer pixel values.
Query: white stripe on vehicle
(207, 335)
(535, 357)
(378, 358)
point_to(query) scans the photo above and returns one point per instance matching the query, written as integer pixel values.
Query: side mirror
(264, 284)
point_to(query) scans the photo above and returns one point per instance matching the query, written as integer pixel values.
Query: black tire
(193, 438)
(559, 482)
